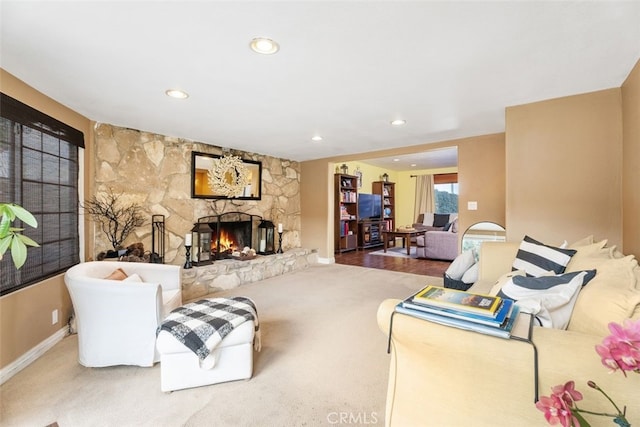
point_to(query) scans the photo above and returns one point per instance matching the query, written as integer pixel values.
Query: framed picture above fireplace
(227, 170)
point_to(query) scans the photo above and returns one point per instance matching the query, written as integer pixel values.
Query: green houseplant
(10, 237)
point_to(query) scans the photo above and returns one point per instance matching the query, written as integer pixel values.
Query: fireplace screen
(230, 232)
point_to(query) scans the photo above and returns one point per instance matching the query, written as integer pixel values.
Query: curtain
(425, 196)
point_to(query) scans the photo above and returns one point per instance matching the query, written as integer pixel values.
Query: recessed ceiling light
(396, 160)
(316, 138)
(398, 122)
(413, 165)
(264, 46)
(177, 93)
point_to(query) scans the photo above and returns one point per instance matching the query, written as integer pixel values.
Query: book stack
(486, 314)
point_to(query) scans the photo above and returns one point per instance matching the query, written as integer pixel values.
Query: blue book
(501, 332)
(497, 321)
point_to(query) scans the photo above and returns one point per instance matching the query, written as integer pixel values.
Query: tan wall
(564, 176)
(631, 163)
(481, 178)
(316, 203)
(25, 315)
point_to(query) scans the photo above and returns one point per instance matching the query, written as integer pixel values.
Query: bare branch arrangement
(116, 220)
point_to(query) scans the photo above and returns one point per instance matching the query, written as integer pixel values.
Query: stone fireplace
(222, 235)
(154, 171)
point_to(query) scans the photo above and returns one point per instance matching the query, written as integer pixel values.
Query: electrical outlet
(54, 316)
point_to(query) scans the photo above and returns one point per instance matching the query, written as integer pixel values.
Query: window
(446, 192)
(39, 171)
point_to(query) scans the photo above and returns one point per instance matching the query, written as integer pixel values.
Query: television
(369, 206)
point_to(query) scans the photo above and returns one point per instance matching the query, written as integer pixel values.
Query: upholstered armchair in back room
(118, 308)
(440, 240)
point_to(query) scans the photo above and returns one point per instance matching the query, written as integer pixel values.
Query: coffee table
(406, 236)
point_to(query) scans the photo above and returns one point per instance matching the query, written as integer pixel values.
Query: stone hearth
(228, 274)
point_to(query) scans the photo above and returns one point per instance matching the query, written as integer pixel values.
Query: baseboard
(32, 355)
(331, 260)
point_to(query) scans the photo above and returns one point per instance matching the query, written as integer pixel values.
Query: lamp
(202, 244)
(385, 177)
(266, 237)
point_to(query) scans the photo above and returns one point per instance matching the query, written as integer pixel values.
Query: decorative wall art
(225, 177)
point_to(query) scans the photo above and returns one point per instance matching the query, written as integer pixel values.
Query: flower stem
(604, 414)
(594, 385)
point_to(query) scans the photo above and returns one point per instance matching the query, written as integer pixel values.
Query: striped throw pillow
(537, 259)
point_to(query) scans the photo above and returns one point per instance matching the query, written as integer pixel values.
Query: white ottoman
(180, 367)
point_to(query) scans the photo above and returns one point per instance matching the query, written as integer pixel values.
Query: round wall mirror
(482, 232)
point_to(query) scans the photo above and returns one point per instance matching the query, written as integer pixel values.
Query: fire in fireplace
(229, 237)
(220, 235)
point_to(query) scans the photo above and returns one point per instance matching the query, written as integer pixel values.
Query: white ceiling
(344, 71)
(432, 159)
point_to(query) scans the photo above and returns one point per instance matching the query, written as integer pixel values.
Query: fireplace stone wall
(154, 171)
(228, 274)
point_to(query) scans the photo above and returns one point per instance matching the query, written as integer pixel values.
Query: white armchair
(117, 320)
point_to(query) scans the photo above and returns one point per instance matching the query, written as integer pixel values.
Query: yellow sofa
(443, 376)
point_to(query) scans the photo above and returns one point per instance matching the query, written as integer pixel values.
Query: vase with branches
(117, 219)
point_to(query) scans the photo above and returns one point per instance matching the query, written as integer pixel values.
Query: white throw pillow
(460, 265)
(471, 275)
(454, 225)
(549, 298)
(428, 219)
(504, 279)
(135, 277)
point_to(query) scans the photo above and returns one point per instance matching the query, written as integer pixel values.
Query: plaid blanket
(203, 324)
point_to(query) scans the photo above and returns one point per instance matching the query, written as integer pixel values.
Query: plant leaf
(27, 240)
(24, 215)
(5, 211)
(18, 252)
(581, 420)
(4, 244)
(5, 223)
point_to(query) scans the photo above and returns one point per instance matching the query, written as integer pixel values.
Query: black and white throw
(203, 324)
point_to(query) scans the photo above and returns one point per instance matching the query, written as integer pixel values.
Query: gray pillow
(440, 220)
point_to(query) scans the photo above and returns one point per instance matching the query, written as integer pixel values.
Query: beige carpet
(323, 357)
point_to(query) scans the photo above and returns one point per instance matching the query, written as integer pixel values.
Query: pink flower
(621, 349)
(557, 407)
(555, 411)
(629, 332)
(567, 392)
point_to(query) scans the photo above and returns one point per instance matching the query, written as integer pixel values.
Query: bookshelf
(346, 213)
(388, 192)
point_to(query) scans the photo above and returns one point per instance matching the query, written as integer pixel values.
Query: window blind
(39, 171)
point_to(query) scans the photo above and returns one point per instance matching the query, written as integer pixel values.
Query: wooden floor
(363, 258)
